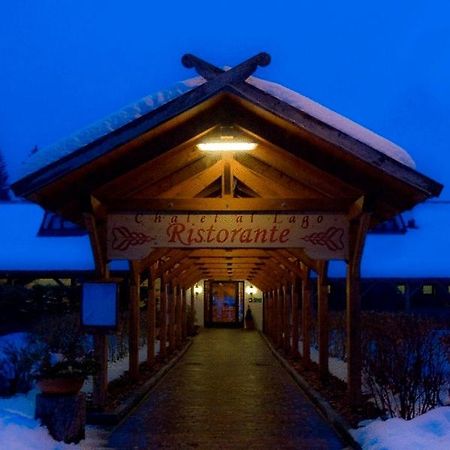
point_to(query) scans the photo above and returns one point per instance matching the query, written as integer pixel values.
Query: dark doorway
(223, 304)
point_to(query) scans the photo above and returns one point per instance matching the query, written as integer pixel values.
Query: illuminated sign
(133, 236)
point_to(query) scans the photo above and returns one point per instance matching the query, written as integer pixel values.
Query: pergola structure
(308, 193)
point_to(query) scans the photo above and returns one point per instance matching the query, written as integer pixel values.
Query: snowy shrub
(16, 369)
(404, 367)
(337, 335)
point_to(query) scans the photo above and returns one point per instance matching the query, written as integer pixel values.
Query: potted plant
(65, 359)
(249, 322)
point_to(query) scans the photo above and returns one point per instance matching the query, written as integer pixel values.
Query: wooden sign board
(133, 236)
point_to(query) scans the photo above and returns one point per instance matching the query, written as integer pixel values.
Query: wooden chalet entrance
(308, 191)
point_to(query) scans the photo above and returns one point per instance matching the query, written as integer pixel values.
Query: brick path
(228, 392)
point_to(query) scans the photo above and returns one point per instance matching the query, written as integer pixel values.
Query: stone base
(63, 415)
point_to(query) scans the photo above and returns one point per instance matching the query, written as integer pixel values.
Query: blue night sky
(384, 64)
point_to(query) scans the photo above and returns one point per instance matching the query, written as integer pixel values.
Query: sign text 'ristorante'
(132, 236)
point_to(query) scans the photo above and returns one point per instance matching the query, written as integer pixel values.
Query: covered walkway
(227, 392)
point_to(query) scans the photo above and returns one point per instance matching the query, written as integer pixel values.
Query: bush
(404, 367)
(16, 369)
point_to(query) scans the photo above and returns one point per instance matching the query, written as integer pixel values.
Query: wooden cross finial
(237, 74)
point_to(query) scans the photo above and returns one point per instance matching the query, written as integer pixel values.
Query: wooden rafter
(192, 186)
(231, 204)
(255, 172)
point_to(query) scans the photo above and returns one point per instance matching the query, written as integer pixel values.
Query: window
(401, 288)
(428, 289)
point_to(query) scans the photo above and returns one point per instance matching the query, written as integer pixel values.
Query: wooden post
(273, 300)
(134, 322)
(286, 314)
(183, 315)
(171, 320)
(280, 323)
(97, 240)
(163, 319)
(322, 313)
(151, 318)
(264, 309)
(357, 233)
(295, 322)
(178, 322)
(306, 317)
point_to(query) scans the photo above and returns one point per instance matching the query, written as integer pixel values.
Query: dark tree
(4, 186)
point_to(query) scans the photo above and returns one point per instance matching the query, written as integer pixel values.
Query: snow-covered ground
(20, 431)
(431, 431)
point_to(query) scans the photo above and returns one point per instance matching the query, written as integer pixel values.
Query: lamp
(251, 291)
(228, 140)
(197, 289)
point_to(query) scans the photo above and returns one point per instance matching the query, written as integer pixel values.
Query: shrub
(16, 369)
(404, 366)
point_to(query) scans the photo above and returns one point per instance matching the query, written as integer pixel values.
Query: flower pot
(60, 386)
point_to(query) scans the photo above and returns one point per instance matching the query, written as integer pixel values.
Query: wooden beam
(284, 183)
(322, 313)
(98, 248)
(151, 318)
(134, 322)
(357, 234)
(295, 294)
(163, 319)
(260, 185)
(269, 205)
(172, 294)
(196, 184)
(306, 317)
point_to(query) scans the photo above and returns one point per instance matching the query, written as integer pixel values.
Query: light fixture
(227, 140)
(197, 289)
(251, 290)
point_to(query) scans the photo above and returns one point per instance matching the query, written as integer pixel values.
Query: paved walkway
(228, 392)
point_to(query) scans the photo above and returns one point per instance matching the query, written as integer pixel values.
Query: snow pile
(431, 431)
(18, 428)
(20, 431)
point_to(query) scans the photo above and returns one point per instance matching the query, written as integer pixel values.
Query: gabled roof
(148, 113)
(134, 111)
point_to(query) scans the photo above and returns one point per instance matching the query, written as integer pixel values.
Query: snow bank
(431, 431)
(18, 428)
(20, 431)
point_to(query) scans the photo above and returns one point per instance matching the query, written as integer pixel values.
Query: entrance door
(224, 304)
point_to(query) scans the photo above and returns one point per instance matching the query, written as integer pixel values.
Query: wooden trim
(160, 206)
(196, 183)
(163, 319)
(306, 318)
(358, 231)
(98, 249)
(295, 294)
(322, 318)
(151, 318)
(134, 322)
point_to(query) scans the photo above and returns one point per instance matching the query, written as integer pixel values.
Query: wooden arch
(152, 165)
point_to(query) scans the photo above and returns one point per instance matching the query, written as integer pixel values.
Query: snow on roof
(422, 252)
(335, 120)
(23, 250)
(80, 139)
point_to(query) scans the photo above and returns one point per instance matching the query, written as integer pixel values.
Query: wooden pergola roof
(301, 164)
